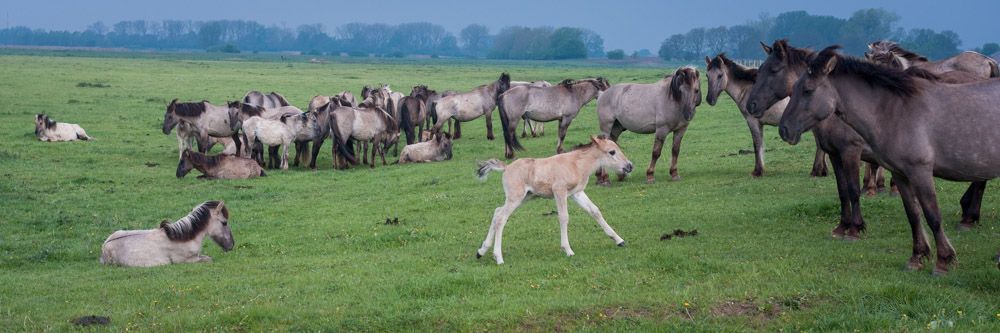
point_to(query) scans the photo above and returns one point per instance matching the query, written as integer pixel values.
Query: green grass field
(312, 254)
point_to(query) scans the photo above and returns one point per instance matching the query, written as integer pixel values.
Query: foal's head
(609, 155)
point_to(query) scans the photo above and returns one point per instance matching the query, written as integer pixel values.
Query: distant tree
(644, 53)
(866, 26)
(594, 43)
(98, 28)
(476, 39)
(931, 44)
(990, 48)
(616, 54)
(567, 43)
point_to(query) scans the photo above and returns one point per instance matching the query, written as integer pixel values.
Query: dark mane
(791, 54)
(188, 227)
(200, 159)
(896, 81)
(739, 72)
(281, 99)
(247, 109)
(567, 83)
(192, 109)
(894, 48)
(49, 123)
(683, 75)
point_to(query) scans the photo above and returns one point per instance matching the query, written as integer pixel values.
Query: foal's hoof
(622, 244)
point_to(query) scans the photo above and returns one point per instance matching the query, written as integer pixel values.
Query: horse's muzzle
(628, 168)
(788, 135)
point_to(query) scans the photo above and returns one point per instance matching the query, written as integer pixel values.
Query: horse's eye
(225, 222)
(612, 153)
(719, 76)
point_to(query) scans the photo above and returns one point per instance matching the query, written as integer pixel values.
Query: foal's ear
(767, 49)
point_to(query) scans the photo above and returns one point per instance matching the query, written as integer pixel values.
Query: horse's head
(776, 76)
(813, 97)
(443, 142)
(503, 83)
(718, 77)
(219, 229)
(685, 88)
(366, 91)
(42, 121)
(184, 166)
(611, 156)
(169, 120)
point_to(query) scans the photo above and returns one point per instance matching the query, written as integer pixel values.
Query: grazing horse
(47, 129)
(537, 128)
(561, 102)
(938, 130)
(471, 105)
(890, 53)
(663, 107)
(206, 119)
(282, 132)
(413, 112)
(559, 177)
(176, 242)
(218, 166)
(366, 123)
(270, 101)
(437, 149)
(725, 75)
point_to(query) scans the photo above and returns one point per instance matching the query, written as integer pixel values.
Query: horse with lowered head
(205, 119)
(560, 102)
(560, 177)
(890, 53)
(177, 242)
(471, 105)
(663, 107)
(218, 166)
(47, 129)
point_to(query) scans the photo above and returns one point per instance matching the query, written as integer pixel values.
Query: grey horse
(471, 105)
(560, 102)
(890, 53)
(662, 107)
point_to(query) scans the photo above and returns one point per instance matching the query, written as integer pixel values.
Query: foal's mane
(900, 83)
(190, 109)
(191, 225)
(739, 72)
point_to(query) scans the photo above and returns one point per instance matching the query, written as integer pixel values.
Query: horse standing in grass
(47, 129)
(664, 107)
(561, 102)
(413, 112)
(176, 242)
(537, 128)
(218, 166)
(206, 119)
(281, 132)
(271, 100)
(367, 123)
(937, 130)
(559, 177)
(471, 105)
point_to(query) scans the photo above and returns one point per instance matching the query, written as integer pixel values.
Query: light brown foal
(560, 177)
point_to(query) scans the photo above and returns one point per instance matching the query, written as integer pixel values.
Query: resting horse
(47, 129)
(176, 242)
(559, 177)
(218, 166)
(560, 102)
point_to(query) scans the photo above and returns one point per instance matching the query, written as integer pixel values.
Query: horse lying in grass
(176, 242)
(559, 177)
(47, 129)
(219, 166)
(437, 149)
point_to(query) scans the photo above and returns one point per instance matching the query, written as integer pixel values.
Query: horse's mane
(49, 123)
(791, 54)
(247, 109)
(688, 74)
(901, 83)
(202, 159)
(886, 46)
(281, 99)
(188, 227)
(192, 109)
(739, 72)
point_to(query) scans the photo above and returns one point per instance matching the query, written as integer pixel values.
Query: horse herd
(894, 109)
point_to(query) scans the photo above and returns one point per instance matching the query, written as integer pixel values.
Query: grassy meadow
(312, 253)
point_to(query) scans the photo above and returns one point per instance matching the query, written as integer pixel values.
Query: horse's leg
(500, 215)
(364, 152)
(539, 127)
(757, 136)
(563, 213)
(675, 151)
(272, 157)
(524, 130)
(920, 248)
(284, 156)
(819, 163)
(868, 181)
(851, 169)
(563, 127)
(971, 202)
(922, 185)
(489, 125)
(658, 139)
(458, 129)
(236, 141)
(582, 199)
(511, 130)
(839, 174)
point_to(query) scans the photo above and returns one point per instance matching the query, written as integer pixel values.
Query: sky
(629, 25)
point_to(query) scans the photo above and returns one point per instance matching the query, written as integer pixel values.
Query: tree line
(358, 39)
(806, 30)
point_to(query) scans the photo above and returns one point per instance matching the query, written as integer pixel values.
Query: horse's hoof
(650, 180)
(914, 266)
(851, 238)
(675, 178)
(622, 244)
(871, 193)
(965, 226)
(490, 138)
(938, 271)
(605, 184)
(478, 255)
(756, 174)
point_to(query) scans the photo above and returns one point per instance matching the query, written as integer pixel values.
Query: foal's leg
(819, 163)
(563, 213)
(582, 199)
(500, 216)
(675, 151)
(920, 248)
(284, 156)
(922, 184)
(971, 202)
(757, 135)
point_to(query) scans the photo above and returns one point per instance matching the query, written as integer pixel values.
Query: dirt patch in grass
(91, 320)
(93, 85)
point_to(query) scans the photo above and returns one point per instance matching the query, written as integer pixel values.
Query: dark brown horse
(413, 112)
(938, 130)
(845, 147)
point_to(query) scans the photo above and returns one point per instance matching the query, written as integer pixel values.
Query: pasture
(313, 253)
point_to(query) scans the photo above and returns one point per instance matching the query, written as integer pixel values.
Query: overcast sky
(630, 25)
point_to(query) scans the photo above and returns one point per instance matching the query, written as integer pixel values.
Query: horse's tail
(994, 71)
(509, 137)
(262, 174)
(486, 166)
(339, 140)
(405, 122)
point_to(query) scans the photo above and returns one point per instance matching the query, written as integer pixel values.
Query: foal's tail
(486, 166)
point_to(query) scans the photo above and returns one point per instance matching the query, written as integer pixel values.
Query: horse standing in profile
(537, 128)
(177, 242)
(205, 119)
(938, 130)
(561, 102)
(559, 177)
(663, 107)
(471, 105)
(219, 166)
(47, 129)
(367, 123)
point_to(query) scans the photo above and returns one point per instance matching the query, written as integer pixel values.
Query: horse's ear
(767, 49)
(830, 64)
(707, 61)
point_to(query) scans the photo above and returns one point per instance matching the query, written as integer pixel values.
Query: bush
(228, 48)
(618, 54)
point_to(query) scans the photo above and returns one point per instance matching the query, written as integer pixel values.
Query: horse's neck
(586, 160)
(584, 94)
(863, 107)
(201, 166)
(739, 91)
